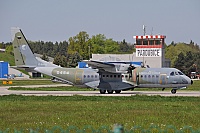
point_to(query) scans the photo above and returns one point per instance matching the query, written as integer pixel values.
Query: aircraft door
(163, 79)
(78, 76)
(137, 79)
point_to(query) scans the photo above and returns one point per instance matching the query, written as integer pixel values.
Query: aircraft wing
(109, 67)
(98, 64)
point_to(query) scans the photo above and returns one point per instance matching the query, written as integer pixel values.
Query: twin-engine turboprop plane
(108, 77)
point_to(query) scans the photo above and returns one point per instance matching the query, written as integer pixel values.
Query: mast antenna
(144, 29)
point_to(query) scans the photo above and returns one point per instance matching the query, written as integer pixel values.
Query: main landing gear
(109, 91)
(102, 91)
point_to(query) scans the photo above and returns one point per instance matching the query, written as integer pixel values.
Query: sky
(58, 20)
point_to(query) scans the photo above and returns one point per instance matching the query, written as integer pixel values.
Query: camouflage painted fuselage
(141, 77)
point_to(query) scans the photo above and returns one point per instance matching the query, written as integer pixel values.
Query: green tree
(45, 57)
(63, 47)
(186, 63)
(124, 47)
(79, 44)
(179, 63)
(73, 59)
(60, 60)
(57, 59)
(9, 49)
(111, 46)
(1, 45)
(55, 49)
(97, 44)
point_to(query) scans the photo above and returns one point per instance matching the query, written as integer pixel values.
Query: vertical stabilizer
(24, 57)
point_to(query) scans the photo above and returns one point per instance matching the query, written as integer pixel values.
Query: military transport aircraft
(103, 76)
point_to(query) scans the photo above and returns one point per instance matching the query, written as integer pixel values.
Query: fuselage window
(88, 76)
(92, 76)
(118, 76)
(141, 76)
(114, 76)
(111, 76)
(157, 76)
(153, 76)
(107, 76)
(95, 76)
(145, 76)
(84, 76)
(122, 76)
(126, 76)
(172, 74)
(176, 73)
(103, 75)
(149, 76)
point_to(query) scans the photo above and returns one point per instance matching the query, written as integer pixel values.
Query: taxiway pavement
(4, 91)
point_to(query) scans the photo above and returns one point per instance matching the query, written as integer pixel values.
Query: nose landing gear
(173, 91)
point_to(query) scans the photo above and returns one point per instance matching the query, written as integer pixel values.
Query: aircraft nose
(191, 82)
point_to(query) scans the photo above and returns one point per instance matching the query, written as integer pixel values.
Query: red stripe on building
(148, 46)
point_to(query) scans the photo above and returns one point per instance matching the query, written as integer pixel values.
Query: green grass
(8, 58)
(25, 112)
(195, 85)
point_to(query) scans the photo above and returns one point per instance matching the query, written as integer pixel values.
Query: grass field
(8, 58)
(25, 112)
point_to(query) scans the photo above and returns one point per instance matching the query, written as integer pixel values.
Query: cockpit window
(176, 73)
(172, 74)
(180, 73)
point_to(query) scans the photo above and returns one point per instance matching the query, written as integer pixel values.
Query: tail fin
(24, 57)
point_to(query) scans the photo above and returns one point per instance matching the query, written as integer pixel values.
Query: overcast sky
(57, 20)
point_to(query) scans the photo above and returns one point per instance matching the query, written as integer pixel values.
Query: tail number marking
(62, 72)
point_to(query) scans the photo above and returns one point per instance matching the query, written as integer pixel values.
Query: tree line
(77, 48)
(183, 56)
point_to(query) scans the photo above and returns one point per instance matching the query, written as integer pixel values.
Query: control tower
(151, 50)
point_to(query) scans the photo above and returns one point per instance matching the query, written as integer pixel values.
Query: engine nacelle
(122, 67)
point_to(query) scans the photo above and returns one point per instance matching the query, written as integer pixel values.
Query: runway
(4, 91)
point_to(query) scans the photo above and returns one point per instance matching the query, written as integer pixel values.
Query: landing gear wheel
(102, 91)
(110, 91)
(117, 91)
(173, 91)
